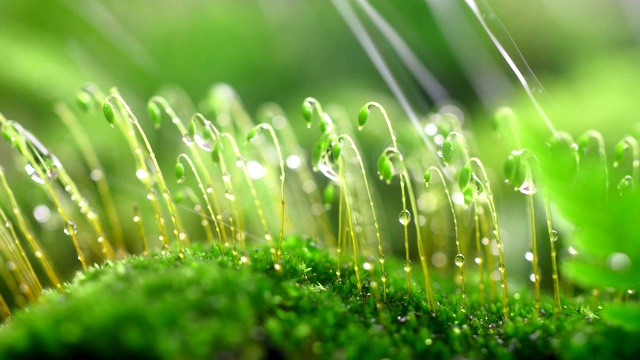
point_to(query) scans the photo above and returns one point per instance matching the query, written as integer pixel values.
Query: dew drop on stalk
(554, 235)
(501, 267)
(404, 217)
(202, 143)
(528, 188)
(528, 256)
(187, 139)
(31, 171)
(70, 228)
(229, 195)
(459, 260)
(142, 174)
(625, 184)
(381, 259)
(407, 266)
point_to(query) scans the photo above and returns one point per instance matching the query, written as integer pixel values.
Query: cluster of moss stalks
(204, 306)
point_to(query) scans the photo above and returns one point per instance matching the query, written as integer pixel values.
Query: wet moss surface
(206, 306)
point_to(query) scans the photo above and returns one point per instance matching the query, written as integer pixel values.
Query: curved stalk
(154, 106)
(276, 143)
(137, 219)
(178, 231)
(405, 181)
(97, 174)
(373, 210)
(496, 231)
(27, 233)
(202, 190)
(459, 258)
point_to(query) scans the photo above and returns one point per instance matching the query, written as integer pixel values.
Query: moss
(208, 307)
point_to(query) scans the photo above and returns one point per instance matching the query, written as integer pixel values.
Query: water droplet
(243, 259)
(529, 256)
(407, 266)
(229, 195)
(554, 236)
(326, 165)
(528, 188)
(459, 260)
(202, 143)
(278, 267)
(625, 184)
(226, 177)
(41, 213)
(381, 259)
(187, 139)
(31, 171)
(70, 228)
(142, 174)
(404, 217)
(136, 219)
(532, 277)
(501, 267)
(478, 260)
(268, 237)
(181, 180)
(572, 250)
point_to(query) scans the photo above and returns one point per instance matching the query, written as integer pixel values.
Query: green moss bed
(207, 307)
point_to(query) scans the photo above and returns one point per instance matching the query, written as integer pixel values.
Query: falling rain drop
(404, 217)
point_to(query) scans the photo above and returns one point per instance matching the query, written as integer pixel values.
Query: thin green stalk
(18, 264)
(27, 233)
(178, 231)
(154, 106)
(354, 241)
(204, 219)
(142, 172)
(313, 198)
(272, 133)
(373, 210)
(11, 131)
(200, 186)
(459, 258)
(137, 219)
(496, 231)
(553, 237)
(387, 172)
(97, 174)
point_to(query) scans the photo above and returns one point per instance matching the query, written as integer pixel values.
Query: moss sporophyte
(191, 269)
